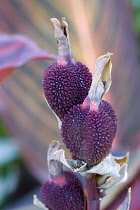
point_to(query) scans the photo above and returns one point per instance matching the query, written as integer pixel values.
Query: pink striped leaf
(16, 50)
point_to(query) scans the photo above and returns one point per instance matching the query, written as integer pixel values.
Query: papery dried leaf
(122, 159)
(53, 147)
(71, 164)
(126, 203)
(74, 165)
(16, 50)
(108, 182)
(54, 165)
(106, 166)
(115, 180)
(38, 203)
(106, 73)
(60, 156)
(101, 78)
(117, 195)
(62, 37)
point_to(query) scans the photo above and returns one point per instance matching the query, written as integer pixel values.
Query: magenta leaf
(16, 50)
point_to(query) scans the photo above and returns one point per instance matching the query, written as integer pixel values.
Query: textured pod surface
(65, 192)
(65, 86)
(89, 134)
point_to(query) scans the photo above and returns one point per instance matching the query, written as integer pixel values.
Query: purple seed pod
(66, 85)
(65, 82)
(89, 133)
(63, 192)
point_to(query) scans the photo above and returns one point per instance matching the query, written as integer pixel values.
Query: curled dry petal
(106, 182)
(62, 37)
(38, 203)
(74, 165)
(101, 78)
(110, 172)
(126, 203)
(122, 159)
(60, 156)
(107, 166)
(55, 166)
(115, 180)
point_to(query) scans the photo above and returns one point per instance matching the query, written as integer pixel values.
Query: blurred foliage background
(136, 21)
(95, 28)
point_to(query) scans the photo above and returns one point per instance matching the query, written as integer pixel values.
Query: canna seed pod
(65, 82)
(65, 86)
(89, 133)
(63, 192)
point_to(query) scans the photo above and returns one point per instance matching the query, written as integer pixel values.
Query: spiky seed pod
(108, 109)
(63, 192)
(65, 82)
(66, 85)
(89, 133)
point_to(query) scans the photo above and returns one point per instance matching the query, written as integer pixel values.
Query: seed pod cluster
(87, 132)
(88, 123)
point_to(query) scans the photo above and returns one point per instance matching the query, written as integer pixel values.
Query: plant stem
(93, 202)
